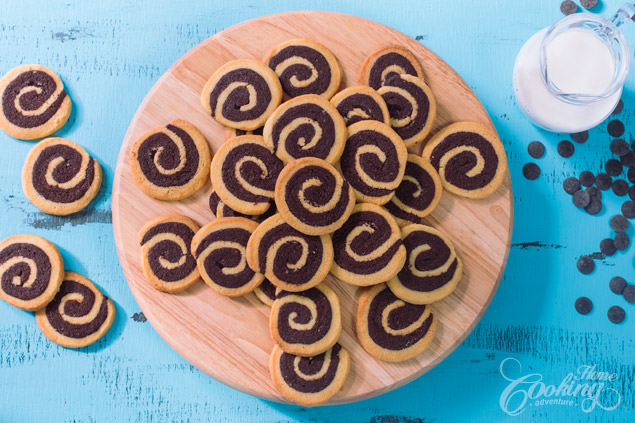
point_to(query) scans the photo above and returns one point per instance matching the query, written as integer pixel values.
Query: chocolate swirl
(61, 173)
(359, 106)
(311, 375)
(167, 251)
(32, 99)
(240, 95)
(391, 62)
(266, 292)
(302, 69)
(25, 271)
(221, 210)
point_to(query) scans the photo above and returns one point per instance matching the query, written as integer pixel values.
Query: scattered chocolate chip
(594, 207)
(613, 167)
(628, 209)
(629, 293)
(581, 198)
(603, 181)
(571, 185)
(565, 148)
(586, 265)
(618, 108)
(615, 128)
(619, 147)
(628, 159)
(617, 285)
(580, 137)
(621, 241)
(531, 171)
(631, 193)
(536, 149)
(589, 4)
(616, 314)
(587, 178)
(619, 223)
(607, 247)
(583, 305)
(620, 187)
(568, 7)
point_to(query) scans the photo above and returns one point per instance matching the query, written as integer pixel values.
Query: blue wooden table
(109, 54)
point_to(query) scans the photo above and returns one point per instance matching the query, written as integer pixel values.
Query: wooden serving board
(229, 338)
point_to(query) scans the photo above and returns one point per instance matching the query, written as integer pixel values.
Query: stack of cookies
(312, 181)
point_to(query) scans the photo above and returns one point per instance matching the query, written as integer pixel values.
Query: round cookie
(469, 158)
(313, 197)
(170, 162)
(31, 271)
(309, 381)
(373, 161)
(220, 251)
(368, 249)
(361, 103)
(34, 102)
(306, 126)
(391, 329)
(232, 132)
(291, 260)
(418, 194)
(78, 315)
(244, 173)
(266, 292)
(220, 210)
(242, 94)
(411, 105)
(305, 67)
(59, 177)
(432, 269)
(306, 323)
(165, 252)
(386, 62)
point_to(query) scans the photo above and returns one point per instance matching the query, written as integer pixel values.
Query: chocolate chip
(568, 7)
(571, 185)
(619, 147)
(621, 241)
(594, 207)
(631, 193)
(586, 265)
(565, 149)
(531, 171)
(603, 181)
(580, 137)
(581, 198)
(618, 108)
(628, 209)
(619, 223)
(607, 247)
(617, 285)
(594, 193)
(587, 178)
(616, 314)
(620, 187)
(628, 159)
(536, 149)
(629, 293)
(615, 128)
(631, 175)
(589, 4)
(583, 305)
(613, 167)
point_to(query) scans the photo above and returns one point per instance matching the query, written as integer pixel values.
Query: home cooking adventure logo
(586, 387)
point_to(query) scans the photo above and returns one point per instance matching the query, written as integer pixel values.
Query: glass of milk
(569, 77)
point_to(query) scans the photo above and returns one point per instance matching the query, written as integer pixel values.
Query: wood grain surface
(228, 338)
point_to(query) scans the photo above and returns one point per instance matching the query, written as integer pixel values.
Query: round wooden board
(229, 338)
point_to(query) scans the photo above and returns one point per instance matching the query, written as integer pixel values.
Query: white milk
(578, 62)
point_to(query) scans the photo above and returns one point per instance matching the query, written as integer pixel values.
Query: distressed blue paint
(110, 54)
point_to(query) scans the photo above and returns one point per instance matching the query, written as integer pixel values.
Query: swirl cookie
(220, 251)
(306, 126)
(361, 103)
(266, 292)
(418, 194)
(165, 252)
(242, 94)
(432, 269)
(59, 177)
(31, 271)
(309, 381)
(78, 315)
(220, 210)
(305, 67)
(391, 329)
(306, 323)
(368, 248)
(373, 161)
(170, 162)
(469, 158)
(232, 132)
(386, 62)
(411, 105)
(244, 173)
(312, 196)
(291, 260)
(34, 102)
